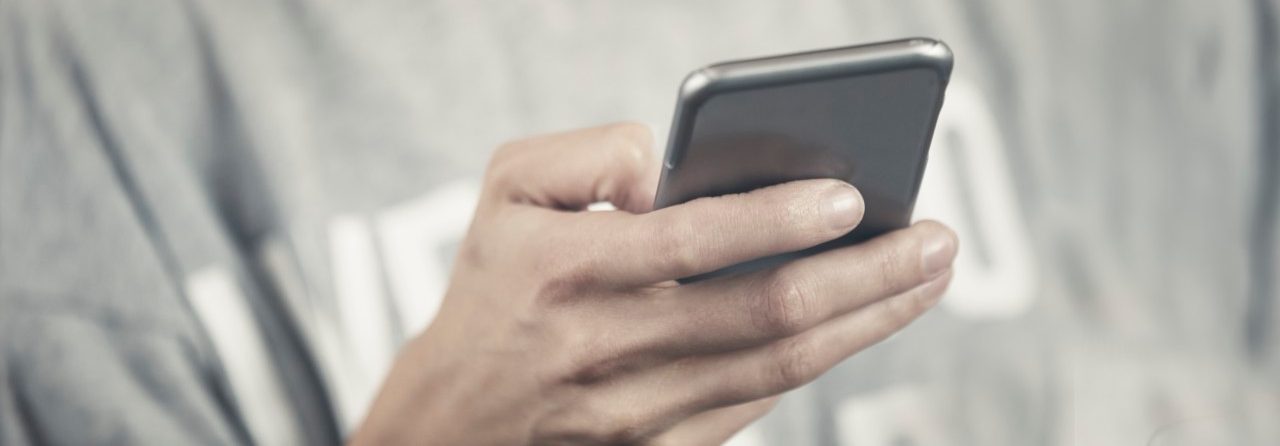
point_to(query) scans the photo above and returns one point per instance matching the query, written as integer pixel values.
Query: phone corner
(697, 85)
(936, 53)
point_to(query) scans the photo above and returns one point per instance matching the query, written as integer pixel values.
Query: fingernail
(844, 206)
(938, 252)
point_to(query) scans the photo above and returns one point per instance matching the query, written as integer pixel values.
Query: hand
(564, 326)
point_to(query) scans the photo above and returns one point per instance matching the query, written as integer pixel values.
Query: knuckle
(505, 152)
(501, 162)
(621, 431)
(632, 146)
(631, 134)
(564, 263)
(591, 359)
(610, 425)
(793, 364)
(558, 279)
(584, 370)
(785, 303)
(905, 307)
(888, 266)
(562, 279)
(596, 422)
(677, 251)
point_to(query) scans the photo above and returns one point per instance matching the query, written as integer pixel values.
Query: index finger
(570, 170)
(707, 234)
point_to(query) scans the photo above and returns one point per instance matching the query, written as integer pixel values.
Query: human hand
(564, 326)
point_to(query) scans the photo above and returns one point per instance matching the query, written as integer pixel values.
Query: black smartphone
(863, 114)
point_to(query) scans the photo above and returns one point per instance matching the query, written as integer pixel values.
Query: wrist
(411, 407)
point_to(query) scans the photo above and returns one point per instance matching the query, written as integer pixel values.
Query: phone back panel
(747, 125)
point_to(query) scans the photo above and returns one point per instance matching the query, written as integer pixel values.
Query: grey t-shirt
(218, 219)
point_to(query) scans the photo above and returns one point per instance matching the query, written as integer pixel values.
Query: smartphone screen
(862, 114)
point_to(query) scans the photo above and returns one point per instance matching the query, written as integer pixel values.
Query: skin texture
(562, 326)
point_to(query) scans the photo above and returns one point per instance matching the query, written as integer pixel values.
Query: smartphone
(863, 114)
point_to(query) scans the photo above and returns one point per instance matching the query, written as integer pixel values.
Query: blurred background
(1110, 167)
